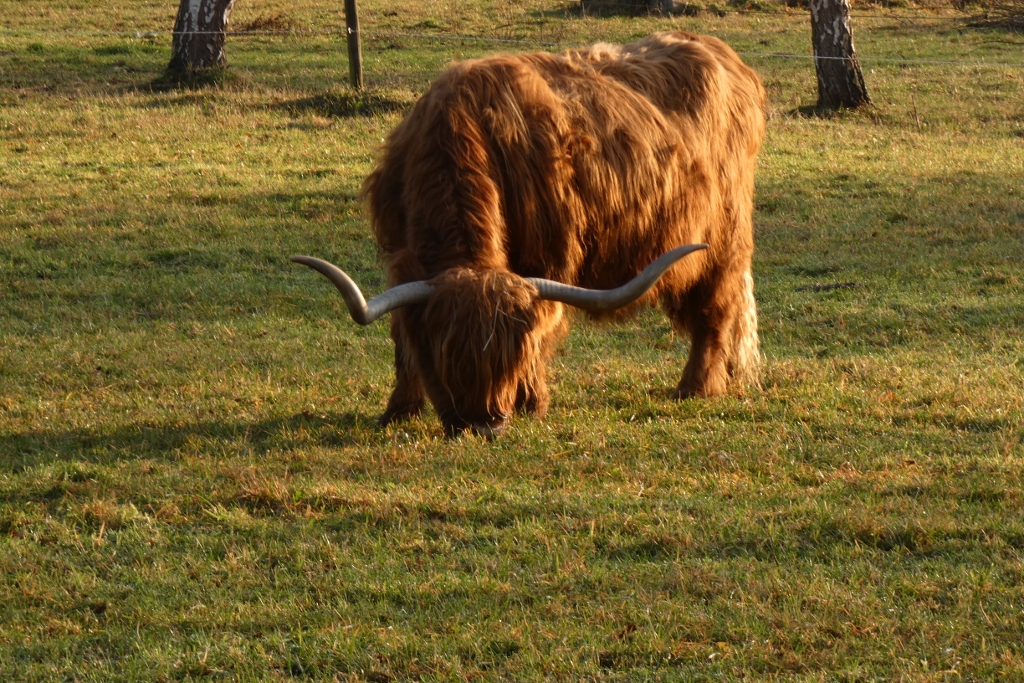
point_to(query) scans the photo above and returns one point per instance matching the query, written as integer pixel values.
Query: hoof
(489, 430)
(684, 392)
(681, 394)
(398, 414)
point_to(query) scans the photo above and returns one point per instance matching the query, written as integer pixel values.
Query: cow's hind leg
(407, 398)
(720, 315)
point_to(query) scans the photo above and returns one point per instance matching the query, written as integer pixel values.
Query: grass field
(192, 486)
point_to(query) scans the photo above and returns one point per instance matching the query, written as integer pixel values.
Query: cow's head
(477, 335)
(476, 339)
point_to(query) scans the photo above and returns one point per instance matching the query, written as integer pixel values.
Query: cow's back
(581, 167)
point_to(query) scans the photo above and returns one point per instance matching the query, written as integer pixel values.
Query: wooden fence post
(355, 52)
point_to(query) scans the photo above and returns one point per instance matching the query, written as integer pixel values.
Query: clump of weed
(626, 7)
(279, 22)
(1005, 13)
(348, 103)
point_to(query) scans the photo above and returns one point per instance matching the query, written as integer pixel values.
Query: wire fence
(903, 15)
(305, 58)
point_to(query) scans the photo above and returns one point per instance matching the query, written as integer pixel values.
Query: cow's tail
(745, 367)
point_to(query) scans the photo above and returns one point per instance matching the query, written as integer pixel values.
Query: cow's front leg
(532, 396)
(407, 398)
(551, 327)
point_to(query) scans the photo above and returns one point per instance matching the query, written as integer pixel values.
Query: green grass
(192, 486)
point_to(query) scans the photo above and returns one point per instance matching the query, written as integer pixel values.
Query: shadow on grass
(168, 441)
(173, 79)
(814, 111)
(818, 539)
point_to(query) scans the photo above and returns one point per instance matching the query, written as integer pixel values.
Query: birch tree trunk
(840, 81)
(198, 43)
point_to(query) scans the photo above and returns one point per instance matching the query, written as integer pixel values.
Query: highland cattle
(519, 184)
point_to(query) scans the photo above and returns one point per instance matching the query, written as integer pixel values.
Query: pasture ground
(191, 483)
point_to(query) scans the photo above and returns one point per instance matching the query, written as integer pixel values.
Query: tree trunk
(840, 81)
(198, 43)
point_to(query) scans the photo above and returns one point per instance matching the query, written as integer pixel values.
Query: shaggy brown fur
(583, 168)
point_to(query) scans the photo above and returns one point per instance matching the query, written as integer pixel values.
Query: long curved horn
(364, 312)
(610, 299)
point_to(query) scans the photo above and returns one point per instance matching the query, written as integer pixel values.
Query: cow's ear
(403, 266)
